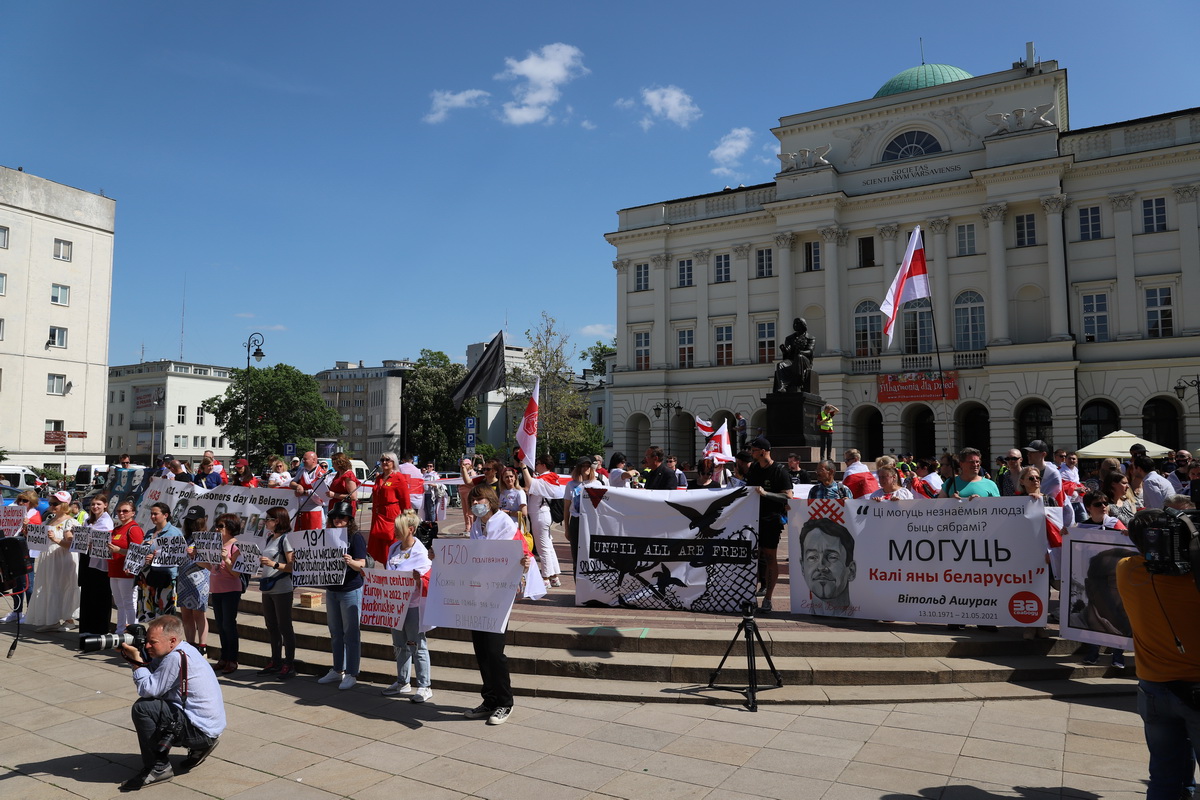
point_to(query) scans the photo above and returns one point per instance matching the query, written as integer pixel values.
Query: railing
(865, 366)
(916, 363)
(973, 359)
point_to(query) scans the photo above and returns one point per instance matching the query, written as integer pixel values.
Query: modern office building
(56, 264)
(1059, 261)
(371, 404)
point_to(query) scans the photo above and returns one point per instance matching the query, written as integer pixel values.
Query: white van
(362, 474)
(20, 478)
(86, 475)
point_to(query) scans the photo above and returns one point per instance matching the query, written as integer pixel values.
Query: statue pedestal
(792, 420)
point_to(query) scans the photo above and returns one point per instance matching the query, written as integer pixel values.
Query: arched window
(1097, 419)
(868, 329)
(1160, 423)
(918, 326)
(911, 144)
(1034, 422)
(969, 330)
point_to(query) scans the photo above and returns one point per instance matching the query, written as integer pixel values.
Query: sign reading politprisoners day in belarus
(975, 562)
(905, 386)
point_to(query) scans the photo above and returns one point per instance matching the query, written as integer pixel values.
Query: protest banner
(81, 538)
(249, 505)
(695, 551)
(37, 537)
(976, 562)
(169, 551)
(98, 547)
(11, 519)
(473, 584)
(249, 558)
(386, 597)
(207, 547)
(135, 557)
(318, 557)
(1090, 607)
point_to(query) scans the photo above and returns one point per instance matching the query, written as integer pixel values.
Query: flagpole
(941, 380)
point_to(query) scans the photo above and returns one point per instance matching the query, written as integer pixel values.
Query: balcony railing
(973, 359)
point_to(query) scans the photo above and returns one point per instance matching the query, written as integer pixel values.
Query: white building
(56, 262)
(370, 402)
(164, 400)
(1059, 261)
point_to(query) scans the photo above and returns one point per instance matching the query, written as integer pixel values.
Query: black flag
(487, 374)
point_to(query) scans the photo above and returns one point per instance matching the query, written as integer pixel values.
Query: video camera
(1170, 543)
(134, 635)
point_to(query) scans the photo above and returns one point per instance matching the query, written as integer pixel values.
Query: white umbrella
(1117, 444)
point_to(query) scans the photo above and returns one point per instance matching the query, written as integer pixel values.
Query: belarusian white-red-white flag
(705, 427)
(527, 433)
(718, 447)
(912, 283)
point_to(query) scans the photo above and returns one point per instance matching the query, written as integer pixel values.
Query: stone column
(1126, 301)
(787, 283)
(621, 265)
(835, 315)
(1189, 259)
(702, 339)
(997, 301)
(741, 327)
(889, 233)
(940, 285)
(659, 346)
(1056, 256)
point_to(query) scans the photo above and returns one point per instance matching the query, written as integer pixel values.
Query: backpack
(556, 510)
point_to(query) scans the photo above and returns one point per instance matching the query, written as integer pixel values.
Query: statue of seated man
(793, 371)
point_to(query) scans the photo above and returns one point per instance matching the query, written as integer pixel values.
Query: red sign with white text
(905, 386)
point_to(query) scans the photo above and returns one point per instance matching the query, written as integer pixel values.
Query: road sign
(289, 449)
(76, 434)
(471, 440)
(60, 448)
(471, 452)
(56, 437)
(472, 424)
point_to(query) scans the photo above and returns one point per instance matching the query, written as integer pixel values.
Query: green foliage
(484, 450)
(594, 356)
(285, 406)
(51, 475)
(434, 428)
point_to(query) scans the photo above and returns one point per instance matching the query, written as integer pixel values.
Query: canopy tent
(1117, 444)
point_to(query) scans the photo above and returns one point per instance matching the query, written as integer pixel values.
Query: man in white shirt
(1155, 488)
(1070, 468)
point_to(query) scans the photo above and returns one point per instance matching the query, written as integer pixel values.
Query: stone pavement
(65, 732)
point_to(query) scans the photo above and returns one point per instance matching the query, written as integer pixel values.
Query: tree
(563, 426)
(595, 355)
(433, 427)
(285, 406)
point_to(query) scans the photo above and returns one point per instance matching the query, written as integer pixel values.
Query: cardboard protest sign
(171, 551)
(135, 557)
(81, 539)
(1090, 607)
(386, 597)
(11, 519)
(206, 547)
(249, 558)
(37, 537)
(98, 546)
(473, 585)
(318, 558)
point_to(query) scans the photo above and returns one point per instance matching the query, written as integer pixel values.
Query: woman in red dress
(388, 498)
(344, 487)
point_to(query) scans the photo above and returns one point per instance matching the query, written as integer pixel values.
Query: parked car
(10, 496)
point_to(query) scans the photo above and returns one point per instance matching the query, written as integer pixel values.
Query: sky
(362, 180)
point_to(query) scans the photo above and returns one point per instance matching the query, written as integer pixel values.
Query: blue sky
(361, 180)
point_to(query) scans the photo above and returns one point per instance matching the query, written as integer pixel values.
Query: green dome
(922, 77)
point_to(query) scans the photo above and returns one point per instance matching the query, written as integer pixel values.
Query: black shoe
(148, 777)
(479, 712)
(765, 607)
(196, 756)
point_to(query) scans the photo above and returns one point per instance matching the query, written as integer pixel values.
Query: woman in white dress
(55, 603)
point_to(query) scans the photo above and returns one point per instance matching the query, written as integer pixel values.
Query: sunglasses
(124, 510)
(220, 527)
(1099, 505)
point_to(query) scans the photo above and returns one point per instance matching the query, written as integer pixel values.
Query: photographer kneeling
(180, 702)
(1160, 589)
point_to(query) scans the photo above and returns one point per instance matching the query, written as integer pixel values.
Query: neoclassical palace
(1060, 265)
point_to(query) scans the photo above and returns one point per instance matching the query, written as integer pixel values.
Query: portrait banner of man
(977, 562)
(1091, 610)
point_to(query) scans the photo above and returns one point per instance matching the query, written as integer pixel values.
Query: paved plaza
(66, 732)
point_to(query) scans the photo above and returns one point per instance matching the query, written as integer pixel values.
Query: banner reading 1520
(973, 562)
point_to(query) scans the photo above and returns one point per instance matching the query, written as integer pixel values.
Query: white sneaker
(397, 688)
(347, 682)
(333, 676)
(10, 617)
(422, 694)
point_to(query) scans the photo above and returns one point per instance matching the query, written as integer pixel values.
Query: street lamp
(666, 405)
(256, 341)
(1181, 386)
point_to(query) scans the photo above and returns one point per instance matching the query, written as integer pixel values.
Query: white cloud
(625, 103)
(670, 103)
(599, 330)
(587, 125)
(729, 151)
(445, 102)
(542, 76)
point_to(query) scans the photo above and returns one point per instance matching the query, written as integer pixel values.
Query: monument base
(792, 419)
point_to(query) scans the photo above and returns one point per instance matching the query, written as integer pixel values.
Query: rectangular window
(111, 417)
(1154, 215)
(3, 283)
(765, 268)
(200, 371)
(1159, 323)
(3, 237)
(199, 416)
(966, 239)
(62, 250)
(60, 295)
(723, 336)
(58, 337)
(866, 251)
(56, 384)
(766, 342)
(812, 256)
(180, 441)
(55, 425)
(220, 373)
(182, 368)
(1095, 317)
(1089, 223)
(918, 327)
(1026, 230)
(641, 350)
(1, 329)
(641, 277)
(181, 415)
(721, 274)
(122, 395)
(685, 272)
(687, 350)
(120, 419)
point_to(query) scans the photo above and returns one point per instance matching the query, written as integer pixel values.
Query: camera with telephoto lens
(1169, 540)
(134, 635)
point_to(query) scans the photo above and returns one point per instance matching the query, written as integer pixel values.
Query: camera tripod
(748, 626)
